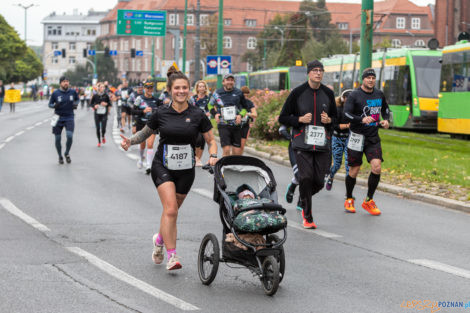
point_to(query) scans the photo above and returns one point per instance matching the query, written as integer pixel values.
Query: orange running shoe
(306, 223)
(349, 205)
(370, 207)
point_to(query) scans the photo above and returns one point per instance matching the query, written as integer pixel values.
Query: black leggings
(100, 123)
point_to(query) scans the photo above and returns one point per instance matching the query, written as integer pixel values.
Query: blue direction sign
(139, 53)
(112, 52)
(57, 53)
(219, 64)
(91, 52)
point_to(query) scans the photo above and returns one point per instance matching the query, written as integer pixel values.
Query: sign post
(219, 64)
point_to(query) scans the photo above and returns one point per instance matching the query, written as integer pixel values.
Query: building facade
(452, 18)
(70, 34)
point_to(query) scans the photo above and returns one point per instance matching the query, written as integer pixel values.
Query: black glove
(284, 133)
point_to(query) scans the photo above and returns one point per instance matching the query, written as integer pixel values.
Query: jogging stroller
(249, 225)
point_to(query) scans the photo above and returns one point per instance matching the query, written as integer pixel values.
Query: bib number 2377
(179, 157)
(315, 135)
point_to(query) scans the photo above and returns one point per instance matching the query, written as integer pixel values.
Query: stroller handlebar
(209, 168)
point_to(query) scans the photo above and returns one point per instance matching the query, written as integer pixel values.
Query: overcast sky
(15, 14)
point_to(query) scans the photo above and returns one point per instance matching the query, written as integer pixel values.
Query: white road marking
(208, 194)
(29, 128)
(9, 139)
(132, 156)
(2, 145)
(38, 123)
(123, 276)
(19, 133)
(118, 142)
(442, 267)
(10, 207)
(46, 120)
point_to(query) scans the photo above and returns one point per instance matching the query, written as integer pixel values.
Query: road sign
(141, 23)
(57, 53)
(91, 52)
(219, 64)
(139, 53)
(112, 52)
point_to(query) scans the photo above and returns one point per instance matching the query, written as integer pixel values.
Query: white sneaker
(157, 254)
(173, 263)
(140, 163)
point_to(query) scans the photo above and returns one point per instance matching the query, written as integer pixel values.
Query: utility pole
(184, 34)
(152, 73)
(197, 45)
(366, 34)
(25, 7)
(220, 36)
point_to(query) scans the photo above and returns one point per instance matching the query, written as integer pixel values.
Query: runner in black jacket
(310, 109)
(101, 105)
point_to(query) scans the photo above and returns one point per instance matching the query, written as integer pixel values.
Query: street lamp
(25, 7)
(282, 34)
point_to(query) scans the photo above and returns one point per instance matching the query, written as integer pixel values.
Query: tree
(80, 75)
(105, 67)
(296, 34)
(319, 19)
(12, 48)
(27, 68)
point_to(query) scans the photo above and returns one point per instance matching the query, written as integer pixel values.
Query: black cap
(62, 78)
(314, 64)
(368, 72)
(229, 75)
(140, 84)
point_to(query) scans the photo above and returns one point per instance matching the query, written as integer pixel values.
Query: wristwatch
(213, 156)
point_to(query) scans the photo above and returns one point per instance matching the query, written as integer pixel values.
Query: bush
(268, 106)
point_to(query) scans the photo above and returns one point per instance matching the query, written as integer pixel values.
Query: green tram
(454, 96)
(408, 77)
(276, 79)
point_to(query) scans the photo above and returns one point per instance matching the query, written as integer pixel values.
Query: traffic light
(63, 53)
(85, 54)
(106, 51)
(132, 53)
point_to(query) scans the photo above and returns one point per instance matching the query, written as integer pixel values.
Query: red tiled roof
(345, 13)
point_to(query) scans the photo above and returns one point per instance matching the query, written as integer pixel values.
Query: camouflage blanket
(258, 221)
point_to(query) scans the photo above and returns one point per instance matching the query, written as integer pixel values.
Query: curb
(399, 191)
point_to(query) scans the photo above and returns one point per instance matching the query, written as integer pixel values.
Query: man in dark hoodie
(63, 100)
(310, 110)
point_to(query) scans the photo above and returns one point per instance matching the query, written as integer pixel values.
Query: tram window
(347, 80)
(282, 81)
(397, 85)
(427, 71)
(456, 75)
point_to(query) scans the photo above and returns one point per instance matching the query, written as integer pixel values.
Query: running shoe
(61, 160)
(308, 223)
(148, 170)
(104, 140)
(329, 183)
(349, 205)
(157, 254)
(370, 207)
(122, 130)
(299, 205)
(99, 144)
(290, 192)
(140, 163)
(68, 159)
(173, 263)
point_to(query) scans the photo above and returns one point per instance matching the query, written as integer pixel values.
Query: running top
(360, 104)
(201, 103)
(223, 101)
(178, 128)
(97, 99)
(302, 100)
(140, 103)
(246, 119)
(64, 102)
(124, 93)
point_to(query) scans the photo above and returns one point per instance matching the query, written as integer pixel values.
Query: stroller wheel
(270, 278)
(282, 257)
(208, 259)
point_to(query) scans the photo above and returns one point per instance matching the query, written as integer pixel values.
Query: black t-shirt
(361, 104)
(97, 99)
(201, 103)
(178, 128)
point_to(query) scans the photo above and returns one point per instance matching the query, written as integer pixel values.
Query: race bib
(229, 113)
(119, 103)
(101, 110)
(124, 94)
(315, 135)
(178, 157)
(54, 120)
(356, 142)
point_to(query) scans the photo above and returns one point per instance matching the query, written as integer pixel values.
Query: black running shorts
(230, 135)
(245, 130)
(183, 179)
(126, 109)
(372, 150)
(69, 126)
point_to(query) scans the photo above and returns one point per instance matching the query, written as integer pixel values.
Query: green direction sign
(141, 23)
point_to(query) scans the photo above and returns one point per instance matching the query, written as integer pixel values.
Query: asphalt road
(77, 238)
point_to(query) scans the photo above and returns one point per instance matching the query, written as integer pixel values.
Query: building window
(105, 29)
(72, 60)
(126, 64)
(190, 20)
(133, 65)
(251, 43)
(396, 43)
(137, 44)
(203, 19)
(88, 45)
(139, 62)
(250, 23)
(55, 60)
(180, 43)
(400, 22)
(173, 19)
(420, 43)
(227, 21)
(55, 45)
(92, 32)
(72, 46)
(54, 30)
(203, 45)
(415, 23)
(249, 67)
(126, 45)
(342, 26)
(146, 65)
(227, 42)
